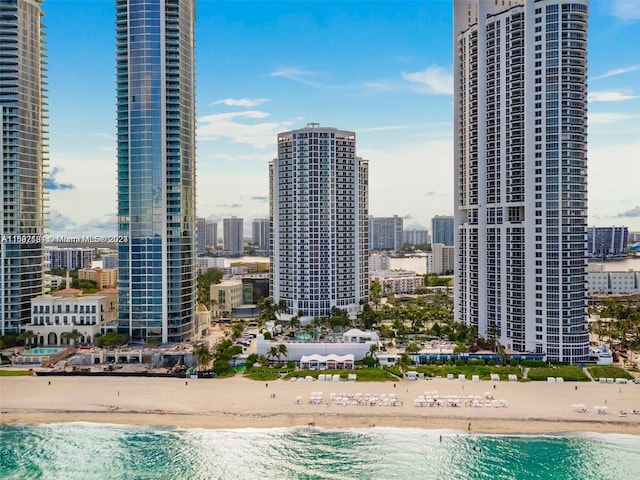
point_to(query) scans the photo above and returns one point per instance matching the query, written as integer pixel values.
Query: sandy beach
(534, 407)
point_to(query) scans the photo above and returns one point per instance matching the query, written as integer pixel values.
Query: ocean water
(97, 451)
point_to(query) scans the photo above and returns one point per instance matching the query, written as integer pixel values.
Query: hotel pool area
(37, 356)
(42, 351)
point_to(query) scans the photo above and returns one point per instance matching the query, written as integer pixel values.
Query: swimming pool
(42, 351)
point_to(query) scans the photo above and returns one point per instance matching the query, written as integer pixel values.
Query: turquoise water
(93, 451)
(42, 351)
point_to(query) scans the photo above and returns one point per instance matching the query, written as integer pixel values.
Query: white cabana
(327, 362)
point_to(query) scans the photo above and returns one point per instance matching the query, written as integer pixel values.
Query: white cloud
(297, 75)
(627, 9)
(230, 125)
(610, 96)
(241, 102)
(58, 222)
(617, 71)
(604, 118)
(432, 79)
(393, 192)
(613, 190)
(381, 86)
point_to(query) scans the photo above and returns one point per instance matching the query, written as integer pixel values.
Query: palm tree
(27, 336)
(404, 362)
(282, 350)
(412, 348)
(274, 352)
(294, 323)
(282, 307)
(73, 335)
(203, 354)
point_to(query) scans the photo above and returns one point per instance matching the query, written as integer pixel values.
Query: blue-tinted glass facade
(156, 168)
(23, 150)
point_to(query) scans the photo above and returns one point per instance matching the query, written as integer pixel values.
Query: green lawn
(14, 373)
(484, 372)
(364, 374)
(265, 373)
(608, 371)
(571, 373)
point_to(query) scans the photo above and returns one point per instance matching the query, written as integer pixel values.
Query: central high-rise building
(22, 159)
(156, 168)
(520, 110)
(233, 235)
(319, 207)
(260, 233)
(386, 233)
(442, 230)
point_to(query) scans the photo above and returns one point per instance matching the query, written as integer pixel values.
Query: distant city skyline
(265, 67)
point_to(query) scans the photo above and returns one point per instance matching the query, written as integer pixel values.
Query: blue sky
(382, 69)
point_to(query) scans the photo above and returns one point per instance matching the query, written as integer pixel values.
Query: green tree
(412, 348)
(267, 310)
(73, 336)
(237, 329)
(203, 355)
(274, 352)
(294, 323)
(404, 362)
(26, 336)
(211, 276)
(87, 286)
(110, 339)
(282, 348)
(375, 294)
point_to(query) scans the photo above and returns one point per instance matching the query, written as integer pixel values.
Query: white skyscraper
(319, 206)
(385, 233)
(260, 228)
(520, 173)
(233, 234)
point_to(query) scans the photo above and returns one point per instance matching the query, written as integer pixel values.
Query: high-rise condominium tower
(156, 168)
(385, 233)
(260, 233)
(319, 206)
(206, 232)
(442, 230)
(233, 234)
(520, 173)
(22, 153)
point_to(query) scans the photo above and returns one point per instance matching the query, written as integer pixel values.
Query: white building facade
(443, 259)
(354, 341)
(233, 234)
(386, 233)
(398, 282)
(520, 98)
(613, 283)
(260, 233)
(416, 237)
(53, 315)
(319, 207)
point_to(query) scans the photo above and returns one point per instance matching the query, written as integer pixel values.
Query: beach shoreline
(533, 408)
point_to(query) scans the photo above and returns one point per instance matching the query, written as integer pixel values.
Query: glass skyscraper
(521, 173)
(23, 149)
(156, 168)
